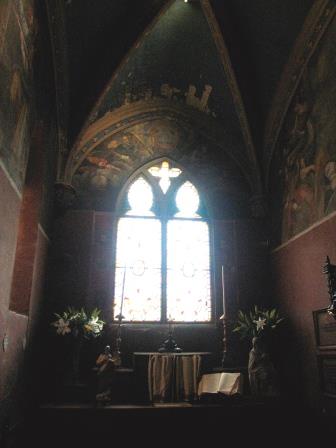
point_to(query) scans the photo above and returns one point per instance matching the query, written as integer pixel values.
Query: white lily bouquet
(81, 325)
(257, 322)
(259, 325)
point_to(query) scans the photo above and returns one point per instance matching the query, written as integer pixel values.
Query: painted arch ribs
(161, 67)
(124, 119)
(236, 94)
(117, 144)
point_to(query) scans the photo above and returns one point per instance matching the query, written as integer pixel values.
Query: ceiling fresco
(176, 65)
(104, 170)
(259, 36)
(177, 60)
(170, 49)
(220, 60)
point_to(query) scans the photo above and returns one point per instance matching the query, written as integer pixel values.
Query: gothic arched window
(162, 270)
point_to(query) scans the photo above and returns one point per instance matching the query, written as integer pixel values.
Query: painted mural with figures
(306, 153)
(172, 65)
(17, 30)
(104, 170)
(177, 60)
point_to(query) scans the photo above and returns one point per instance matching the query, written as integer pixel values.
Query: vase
(75, 360)
(261, 371)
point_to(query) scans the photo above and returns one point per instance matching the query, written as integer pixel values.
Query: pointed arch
(186, 175)
(163, 262)
(145, 111)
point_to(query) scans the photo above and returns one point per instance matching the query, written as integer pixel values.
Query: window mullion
(139, 239)
(164, 271)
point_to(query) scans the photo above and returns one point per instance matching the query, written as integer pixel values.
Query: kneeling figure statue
(106, 364)
(262, 374)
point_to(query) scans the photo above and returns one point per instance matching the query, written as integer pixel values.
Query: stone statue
(105, 368)
(262, 374)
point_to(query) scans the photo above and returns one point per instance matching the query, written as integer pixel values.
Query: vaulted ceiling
(238, 47)
(259, 35)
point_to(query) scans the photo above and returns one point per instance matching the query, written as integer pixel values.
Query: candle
(122, 296)
(223, 292)
(170, 325)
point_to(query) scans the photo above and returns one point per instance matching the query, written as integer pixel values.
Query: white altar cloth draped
(173, 377)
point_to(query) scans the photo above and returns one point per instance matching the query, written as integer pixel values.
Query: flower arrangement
(79, 323)
(257, 322)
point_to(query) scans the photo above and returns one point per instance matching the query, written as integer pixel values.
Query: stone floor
(243, 421)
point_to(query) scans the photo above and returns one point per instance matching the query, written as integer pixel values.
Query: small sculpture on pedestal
(105, 367)
(258, 325)
(261, 371)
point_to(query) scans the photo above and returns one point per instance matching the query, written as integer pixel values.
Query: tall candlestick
(120, 318)
(122, 296)
(170, 325)
(225, 322)
(223, 292)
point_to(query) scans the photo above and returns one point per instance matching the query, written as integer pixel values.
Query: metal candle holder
(225, 324)
(170, 345)
(120, 317)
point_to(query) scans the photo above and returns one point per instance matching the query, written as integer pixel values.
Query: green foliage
(79, 323)
(257, 322)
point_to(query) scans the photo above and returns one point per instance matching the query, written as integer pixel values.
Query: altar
(170, 376)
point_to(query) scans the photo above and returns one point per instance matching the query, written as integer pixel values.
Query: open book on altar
(223, 383)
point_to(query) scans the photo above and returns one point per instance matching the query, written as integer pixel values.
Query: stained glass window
(138, 269)
(187, 201)
(163, 257)
(188, 271)
(140, 198)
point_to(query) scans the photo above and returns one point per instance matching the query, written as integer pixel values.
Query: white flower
(94, 326)
(260, 323)
(63, 326)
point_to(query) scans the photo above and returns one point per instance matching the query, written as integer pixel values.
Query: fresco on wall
(105, 169)
(178, 61)
(17, 30)
(306, 153)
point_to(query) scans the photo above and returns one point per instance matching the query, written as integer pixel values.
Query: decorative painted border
(235, 91)
(141, 111)
(313, 29)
